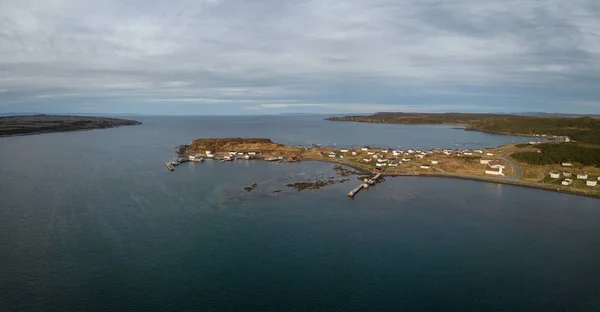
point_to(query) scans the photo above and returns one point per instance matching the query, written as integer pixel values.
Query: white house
(344, 151)
(240, 154)
(490, 154)
(380, 164)
(370, 153)
(382, 160)
(467, 153)
(396, 153)
(209, 152)
(332, 155)
(364, 149)
(478, 151)
(582, 176)
(210, 155)
(567, 182)
(554, 174)
(484, 161)
(494, 168)
(353, 153)
(567, 164)
(405, 159)
(420, 156)
(252, 153)
(435, 162)
(410, 151)
(384, 151)
(393, 164)
(591, 183)
(367, 159)
(425, 166)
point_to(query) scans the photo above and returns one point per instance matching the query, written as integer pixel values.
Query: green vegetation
(521, 145)
(582, 129)
(556, 153)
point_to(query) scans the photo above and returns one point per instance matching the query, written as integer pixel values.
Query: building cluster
(230, 155)
(589, 181)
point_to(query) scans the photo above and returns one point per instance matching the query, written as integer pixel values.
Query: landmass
(557, 166)
(36, 124)
(582, 129)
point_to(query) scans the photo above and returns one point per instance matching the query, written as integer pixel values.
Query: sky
(276, 56)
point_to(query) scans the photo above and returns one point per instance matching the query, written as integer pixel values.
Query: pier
(169, 166)
(365, 185)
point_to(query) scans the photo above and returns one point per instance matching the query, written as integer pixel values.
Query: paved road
(517, 171)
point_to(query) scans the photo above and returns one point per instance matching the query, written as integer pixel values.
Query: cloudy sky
(277, 56)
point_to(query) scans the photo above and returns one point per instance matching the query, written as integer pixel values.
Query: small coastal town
(491, 164)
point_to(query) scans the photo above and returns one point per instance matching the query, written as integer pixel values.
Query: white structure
(384, 151)
(478, 151)
(405, 159)
(490, 154)
(344, 151)
(210, 155)
(247, 156)
(367, 159)
(353, 153)
(467, 153)
(396, 153)
(232, 153)
(332, 155)
(591, 183)
(567, 182)
(425, 166)
(484, 161)
(567, 164)
(435, 162)
(494, 168)
(393, 164)
(252, 153)
(582, 176)
(380, 164)
(208, 152)
(420, 156)
(364, 149)
(554, 174)
(240, 154)
(370, 153)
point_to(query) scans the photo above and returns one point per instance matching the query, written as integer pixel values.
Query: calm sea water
(92, 221)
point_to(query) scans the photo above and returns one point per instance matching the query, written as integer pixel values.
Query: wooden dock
(364, 185)
(169, 166)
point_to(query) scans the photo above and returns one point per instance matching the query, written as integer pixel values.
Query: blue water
(92, 221)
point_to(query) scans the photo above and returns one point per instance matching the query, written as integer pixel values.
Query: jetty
(169, 166)
(366, 183)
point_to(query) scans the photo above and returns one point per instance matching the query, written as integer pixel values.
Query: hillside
(223, 145)
(583, 129)
(34, 124)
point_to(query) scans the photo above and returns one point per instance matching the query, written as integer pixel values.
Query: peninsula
(549, 166)
(36, 124)
(582, 129)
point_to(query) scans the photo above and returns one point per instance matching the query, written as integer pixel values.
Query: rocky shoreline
(38, 124)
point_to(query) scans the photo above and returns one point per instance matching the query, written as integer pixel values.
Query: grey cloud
(293, 50)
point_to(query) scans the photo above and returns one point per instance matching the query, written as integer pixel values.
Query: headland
(37, 124)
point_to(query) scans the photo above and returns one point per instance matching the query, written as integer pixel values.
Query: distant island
(582, 129)
(35, 124)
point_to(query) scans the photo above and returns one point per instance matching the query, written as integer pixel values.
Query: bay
(92, 221)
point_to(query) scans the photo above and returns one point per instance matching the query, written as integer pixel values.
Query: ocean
(93, 221)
